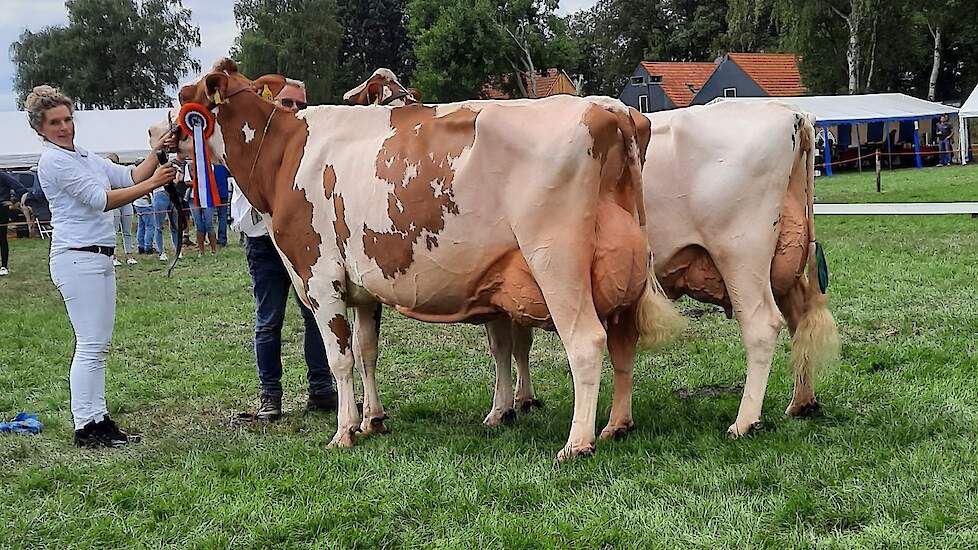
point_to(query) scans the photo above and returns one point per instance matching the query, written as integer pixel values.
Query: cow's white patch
(387, 92)
(248, 131)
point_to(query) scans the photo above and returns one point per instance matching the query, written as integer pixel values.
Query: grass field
(892, 462)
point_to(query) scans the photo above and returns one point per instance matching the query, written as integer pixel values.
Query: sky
(214, 17)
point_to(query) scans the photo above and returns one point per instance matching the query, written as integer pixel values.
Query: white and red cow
(468, 212)
(729, 192)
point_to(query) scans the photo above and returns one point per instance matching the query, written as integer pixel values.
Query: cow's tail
(815, 342)
(633, 160)
(656, 318)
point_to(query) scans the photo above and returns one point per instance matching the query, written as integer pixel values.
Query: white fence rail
(907, 208)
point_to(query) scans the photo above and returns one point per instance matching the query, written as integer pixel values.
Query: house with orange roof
(658, 86)
(551, 82)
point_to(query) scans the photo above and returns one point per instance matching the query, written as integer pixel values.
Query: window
(730, 92)
(643, 103)
(638, 80)
(655, 79)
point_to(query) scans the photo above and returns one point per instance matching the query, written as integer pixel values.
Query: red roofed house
(552, 83)
(657, 86)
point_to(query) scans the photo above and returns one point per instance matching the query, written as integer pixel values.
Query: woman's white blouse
(76, 184)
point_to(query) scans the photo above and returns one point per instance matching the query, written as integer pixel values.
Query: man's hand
(167, 142)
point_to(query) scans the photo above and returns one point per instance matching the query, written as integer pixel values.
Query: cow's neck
(256, 138)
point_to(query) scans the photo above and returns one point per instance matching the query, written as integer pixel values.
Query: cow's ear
(415, 93)
(373, 92)
(217, 87)
(269, 86)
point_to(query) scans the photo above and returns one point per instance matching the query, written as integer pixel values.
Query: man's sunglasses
(289, 103)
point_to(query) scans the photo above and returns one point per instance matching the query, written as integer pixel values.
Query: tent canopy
(970, 107)
(859, 109)
(123, 132)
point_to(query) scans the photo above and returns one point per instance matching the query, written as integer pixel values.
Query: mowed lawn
(892, 461)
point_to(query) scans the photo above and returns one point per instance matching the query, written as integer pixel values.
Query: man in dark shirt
(943, 133)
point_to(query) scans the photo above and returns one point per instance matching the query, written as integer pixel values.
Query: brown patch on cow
(329, 181)
(340, 228)
(792, 249)
(608, 148)
(341, 329)
(416, 160)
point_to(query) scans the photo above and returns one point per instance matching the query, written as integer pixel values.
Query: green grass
(948, 184)
(891, 463)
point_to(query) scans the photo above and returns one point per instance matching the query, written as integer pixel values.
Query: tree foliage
(462, 44)
(112, 54)
(374, 36)
(297, 38)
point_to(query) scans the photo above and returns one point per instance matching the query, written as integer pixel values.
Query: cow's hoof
(803, 410)
(617, 431)
(343, 438)
(569, 452)
(373, 425)
(736, 430)
(497, 417)
(527, 405)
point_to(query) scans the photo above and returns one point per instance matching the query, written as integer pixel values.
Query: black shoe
(104, 434)
(324, 402)
(269, 408)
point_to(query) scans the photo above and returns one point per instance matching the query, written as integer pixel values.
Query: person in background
(7, 186)
(145, 224)
(221, 174)
(203, 220)
(82, 190)
(943, 134)
(165, 212)
(123, 224)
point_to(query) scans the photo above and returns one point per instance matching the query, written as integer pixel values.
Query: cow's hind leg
(522, 342)
(760, 322)
(365, 342)
(337, 337)
(814, 339)
(622, 342)
(501, 346)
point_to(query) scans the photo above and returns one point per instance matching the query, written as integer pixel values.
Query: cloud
(571, 6)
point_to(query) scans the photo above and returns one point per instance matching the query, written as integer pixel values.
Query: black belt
(106, 250)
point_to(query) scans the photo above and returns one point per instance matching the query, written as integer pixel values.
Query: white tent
(123, 132)
(859, 109)
(856, 110)
(968, 111)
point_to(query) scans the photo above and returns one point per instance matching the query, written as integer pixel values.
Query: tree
(112, 54)
(461, 44)
(296, 38)
(374, 36)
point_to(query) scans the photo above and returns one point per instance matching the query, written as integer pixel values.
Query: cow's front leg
(337, 337)
(501, 347)
(365, 342)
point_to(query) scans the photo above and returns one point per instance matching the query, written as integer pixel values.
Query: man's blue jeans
(165, 211)
(223, 212)
(944, 147)
(272, 287)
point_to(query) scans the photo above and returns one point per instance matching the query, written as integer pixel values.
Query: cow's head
(217, 90)
(382, 88)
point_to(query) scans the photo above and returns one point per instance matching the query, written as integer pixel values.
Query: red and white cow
(729, 192)
(467, 212)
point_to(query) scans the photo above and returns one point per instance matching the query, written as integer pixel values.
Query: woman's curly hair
(40, 100)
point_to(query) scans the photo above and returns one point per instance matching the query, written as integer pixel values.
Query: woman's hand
(163, 175)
